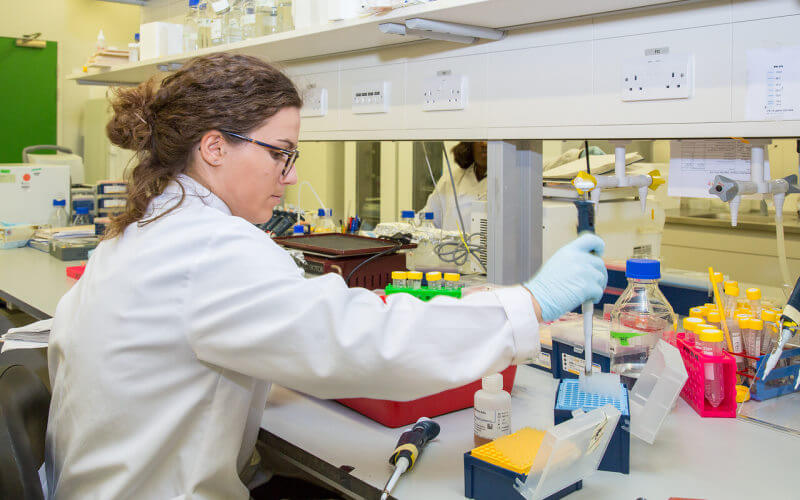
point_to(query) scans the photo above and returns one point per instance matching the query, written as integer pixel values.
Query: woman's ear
(213, 148)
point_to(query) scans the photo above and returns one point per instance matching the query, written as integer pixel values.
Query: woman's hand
(573, 275)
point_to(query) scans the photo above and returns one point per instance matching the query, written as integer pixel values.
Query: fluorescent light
(400, 29)
(462, 30)
(392, 28)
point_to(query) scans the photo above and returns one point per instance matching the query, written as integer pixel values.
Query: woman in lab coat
(162, 353)
(470, 182)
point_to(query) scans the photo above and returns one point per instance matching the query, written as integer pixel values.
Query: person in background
(470, 182)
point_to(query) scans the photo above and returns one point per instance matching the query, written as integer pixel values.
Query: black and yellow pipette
(408, 449)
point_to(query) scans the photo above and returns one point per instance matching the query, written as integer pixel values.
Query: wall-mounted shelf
(363, 33)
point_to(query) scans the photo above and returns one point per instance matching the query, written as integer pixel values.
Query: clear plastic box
(570, 452)
(656, 391)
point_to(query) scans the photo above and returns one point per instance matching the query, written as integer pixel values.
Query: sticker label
(574, 364)
(492, 424)
(543, 360)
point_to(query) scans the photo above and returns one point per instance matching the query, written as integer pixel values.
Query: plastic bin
(656, 391)
(694, 390)
(569, 398)
(400, 413)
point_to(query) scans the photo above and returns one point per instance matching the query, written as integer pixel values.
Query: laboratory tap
(731, 190)
(593, 185)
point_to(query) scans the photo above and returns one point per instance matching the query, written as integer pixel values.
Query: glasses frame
(291, 154)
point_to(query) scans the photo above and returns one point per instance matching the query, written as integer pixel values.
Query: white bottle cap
(492, 383)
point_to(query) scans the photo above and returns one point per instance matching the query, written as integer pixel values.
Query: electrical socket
(371, 97)
(315, 102)
(445, 91)
(658, 76)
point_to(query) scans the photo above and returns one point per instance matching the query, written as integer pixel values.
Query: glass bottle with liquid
(190, 27)
(81, 217)
(285, 19)
(218, 23)
(249, 20)
(492, 410)
(325, 222)
(58, 216)
(427, 220)
(233, 19)
(408, 217)
(267, 16)
(203, 25)
(640, 317)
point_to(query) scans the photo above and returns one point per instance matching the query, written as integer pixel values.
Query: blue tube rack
(769, 388)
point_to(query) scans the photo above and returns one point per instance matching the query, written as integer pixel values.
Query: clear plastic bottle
(203, 25)
(325, 222)
(81, 217)
(285, 19)
(408, 217)
(268, 12)
(492, 410)
(190, 27)
(709, 342)
(100, 45)
(234, 21)
(250, 28)
(399, 279)
(427, 220)
(58, 216)
(218, 28)
(434, 279)
(640, 317)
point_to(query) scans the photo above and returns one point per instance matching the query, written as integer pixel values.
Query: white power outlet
(658, 76)
(445, 91)
(315, 102)
(371, 97)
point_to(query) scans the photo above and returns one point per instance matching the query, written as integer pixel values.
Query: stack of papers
(32, 336)
(599, 164)
(108, 58)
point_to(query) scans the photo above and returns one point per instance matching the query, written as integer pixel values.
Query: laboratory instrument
(710, 342)
(408, 449)
(491, 410)
(27, 191)
(640, 317)
(787, 326)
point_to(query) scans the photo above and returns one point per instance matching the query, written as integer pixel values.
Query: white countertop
(33, 280)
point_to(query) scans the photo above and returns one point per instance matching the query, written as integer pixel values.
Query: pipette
(408, 449)
(790, 318)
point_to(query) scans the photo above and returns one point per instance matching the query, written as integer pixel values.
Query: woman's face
(249, 180)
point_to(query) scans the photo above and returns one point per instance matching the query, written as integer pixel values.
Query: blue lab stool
(570, 398)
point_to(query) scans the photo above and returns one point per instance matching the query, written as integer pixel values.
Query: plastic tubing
(782, 264)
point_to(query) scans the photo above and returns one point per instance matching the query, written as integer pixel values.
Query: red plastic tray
(694, 390)
(76, 272)
(400, 413)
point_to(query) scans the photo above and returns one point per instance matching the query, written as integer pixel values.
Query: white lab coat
(161, 355)
(442, 203)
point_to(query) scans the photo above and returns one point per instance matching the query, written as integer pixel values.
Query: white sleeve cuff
(524, 326)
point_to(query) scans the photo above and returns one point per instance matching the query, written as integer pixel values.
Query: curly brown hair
(162, 123)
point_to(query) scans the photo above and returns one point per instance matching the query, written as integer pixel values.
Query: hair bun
(131, 127)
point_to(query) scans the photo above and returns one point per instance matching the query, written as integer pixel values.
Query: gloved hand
(570, 277)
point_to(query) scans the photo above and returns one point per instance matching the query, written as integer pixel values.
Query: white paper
(693, 164)
(10, 345)
(773, 84)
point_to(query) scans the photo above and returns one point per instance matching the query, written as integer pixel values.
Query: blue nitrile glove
(570, 277)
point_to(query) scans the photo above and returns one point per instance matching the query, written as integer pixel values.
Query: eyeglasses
(291, 155)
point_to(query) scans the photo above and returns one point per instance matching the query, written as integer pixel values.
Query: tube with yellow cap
(769, 333)
(434, 279)
(735, 329)
(754, 296)
(452, 281)
(710, 342)
(414, 280)
(714, 318)
(751, 334)
(399, 279)
(718, 280)
(689, 328)
(730, 297)
(697, 312)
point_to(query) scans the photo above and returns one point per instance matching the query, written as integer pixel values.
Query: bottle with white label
(492, 412)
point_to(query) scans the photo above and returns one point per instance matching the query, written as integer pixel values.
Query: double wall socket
(658, 76)
(315, 102)
(371, 97)
(445, 91)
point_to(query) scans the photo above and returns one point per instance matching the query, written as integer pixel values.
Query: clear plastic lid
(570, 452)
(658, 387)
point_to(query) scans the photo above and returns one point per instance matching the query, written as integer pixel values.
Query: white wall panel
(394, 119)
(474, 115)
(329, 81)
(765, 33)
(541, 86)
(746, 10)
(711, 96)
(691, 15)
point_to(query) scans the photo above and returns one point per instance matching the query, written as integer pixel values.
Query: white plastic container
(492, 410)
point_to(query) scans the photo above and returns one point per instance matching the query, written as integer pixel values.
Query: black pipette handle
(585, 216)
(411, 442)
(792, 310)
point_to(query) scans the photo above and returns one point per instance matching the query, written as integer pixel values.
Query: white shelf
(363, 33)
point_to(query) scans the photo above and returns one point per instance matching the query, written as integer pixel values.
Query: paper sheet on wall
(693, 165)
(773, 84)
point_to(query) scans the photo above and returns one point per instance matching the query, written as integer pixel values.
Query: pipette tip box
(568, 360)
(570, 398)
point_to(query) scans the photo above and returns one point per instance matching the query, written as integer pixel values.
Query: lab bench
(691, 457)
